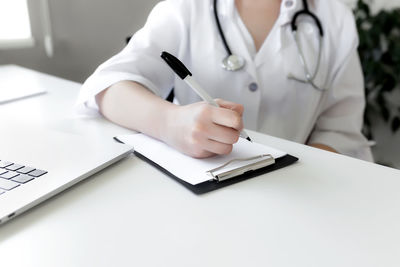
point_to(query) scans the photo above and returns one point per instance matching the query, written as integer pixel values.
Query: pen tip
(248, 139)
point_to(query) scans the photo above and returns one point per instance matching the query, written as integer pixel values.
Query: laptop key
(14, 167)
(3, 171)
(37, 173)
(22, 178)
(25, 170)
(9, 175)
(2, 191)
(7, 184)
(4, 164)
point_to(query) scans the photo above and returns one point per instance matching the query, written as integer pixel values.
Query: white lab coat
(273, 104)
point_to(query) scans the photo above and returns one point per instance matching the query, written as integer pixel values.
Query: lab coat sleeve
(140, 60)
(340, 121)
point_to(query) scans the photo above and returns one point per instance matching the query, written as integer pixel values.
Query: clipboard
(204, 175)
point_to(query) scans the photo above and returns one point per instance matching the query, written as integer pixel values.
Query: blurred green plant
(379, 51)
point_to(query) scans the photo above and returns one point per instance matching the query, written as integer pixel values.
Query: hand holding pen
(180, 69)
(201, 130)
(206, 128)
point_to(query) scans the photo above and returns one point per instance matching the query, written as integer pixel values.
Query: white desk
(326, 210)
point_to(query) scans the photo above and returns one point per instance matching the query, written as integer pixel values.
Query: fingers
(216, 131)
(229, 114)
(218, 115)
(217, 147)
(203, 147)
(202, 130)
(228, 118)
(230, 105)
(223, 134)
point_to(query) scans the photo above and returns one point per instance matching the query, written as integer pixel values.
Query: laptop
(37, 163)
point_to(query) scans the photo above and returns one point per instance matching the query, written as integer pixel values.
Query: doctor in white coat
(309, 91)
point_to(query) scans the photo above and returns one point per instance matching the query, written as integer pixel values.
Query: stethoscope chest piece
(233, 63)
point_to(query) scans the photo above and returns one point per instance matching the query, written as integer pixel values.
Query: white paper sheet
(191, 170)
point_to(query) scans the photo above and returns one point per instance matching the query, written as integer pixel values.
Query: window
(15, 27)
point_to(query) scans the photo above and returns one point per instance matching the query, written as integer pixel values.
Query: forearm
(198, 129)
(131, 105)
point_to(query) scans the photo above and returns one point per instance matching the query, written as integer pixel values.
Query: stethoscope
(234, 62)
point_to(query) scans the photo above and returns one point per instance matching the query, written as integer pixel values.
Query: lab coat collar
(277, 35)
(225, 7)
(288, 9)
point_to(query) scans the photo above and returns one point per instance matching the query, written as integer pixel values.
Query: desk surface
(325, 210)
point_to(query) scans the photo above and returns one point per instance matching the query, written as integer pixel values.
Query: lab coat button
(253, 87)
(288, 3)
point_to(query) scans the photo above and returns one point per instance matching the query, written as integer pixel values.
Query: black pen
(180, 69)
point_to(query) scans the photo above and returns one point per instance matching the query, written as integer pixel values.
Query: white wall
(86, 32)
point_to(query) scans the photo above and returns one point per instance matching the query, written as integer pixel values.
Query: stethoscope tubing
(304, 11)
(309, 78)
(221, 32)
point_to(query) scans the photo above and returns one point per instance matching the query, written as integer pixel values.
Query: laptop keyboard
(13, 175)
